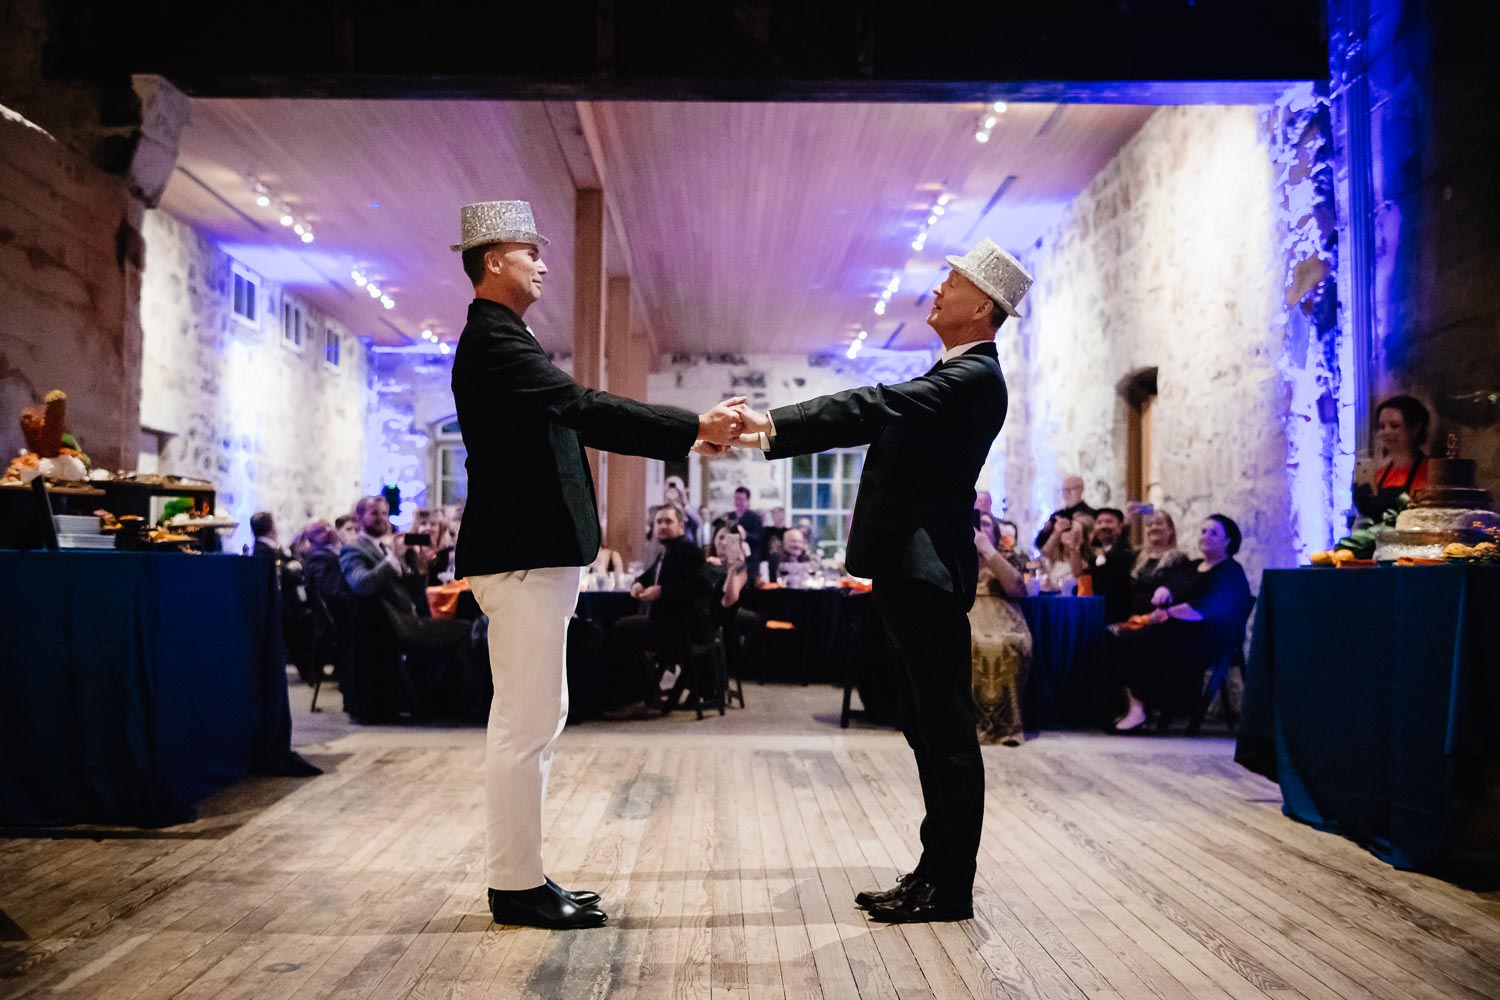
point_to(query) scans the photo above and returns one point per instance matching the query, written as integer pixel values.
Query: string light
(988, 119)
(265, 198)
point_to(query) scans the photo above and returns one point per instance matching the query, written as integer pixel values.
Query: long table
(132, 685)
(1371, 696)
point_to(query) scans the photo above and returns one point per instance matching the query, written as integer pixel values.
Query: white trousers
(528, 612)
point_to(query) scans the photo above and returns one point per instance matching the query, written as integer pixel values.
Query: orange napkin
(442, 601)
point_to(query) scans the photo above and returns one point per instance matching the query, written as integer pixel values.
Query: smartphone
(418, 538)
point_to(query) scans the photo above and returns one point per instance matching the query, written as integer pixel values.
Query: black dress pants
(929, 629)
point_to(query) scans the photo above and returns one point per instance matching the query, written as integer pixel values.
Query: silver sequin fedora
(997, 273)
(496, 222)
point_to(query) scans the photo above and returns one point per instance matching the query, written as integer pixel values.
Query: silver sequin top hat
(997, 273)
(497, 222)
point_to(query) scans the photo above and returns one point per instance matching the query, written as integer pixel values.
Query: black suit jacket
(525, 424)
(682, 572)
(928, 438)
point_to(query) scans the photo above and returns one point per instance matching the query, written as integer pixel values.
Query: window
(333, 344)
(452, 479)
(823, 487)
(246, 292)
(291, 324)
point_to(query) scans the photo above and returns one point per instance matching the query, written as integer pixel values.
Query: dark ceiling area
(690, 49)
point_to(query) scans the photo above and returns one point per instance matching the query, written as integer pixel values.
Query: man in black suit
(525, 424)
(913, 535)
(673, 588)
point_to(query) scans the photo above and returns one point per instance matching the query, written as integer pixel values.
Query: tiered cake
(1450, 509)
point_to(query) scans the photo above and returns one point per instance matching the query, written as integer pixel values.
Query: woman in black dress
(1158, 663)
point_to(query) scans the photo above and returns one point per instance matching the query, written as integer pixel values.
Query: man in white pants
(530, 524)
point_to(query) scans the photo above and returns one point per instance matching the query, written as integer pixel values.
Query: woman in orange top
(1402, 430)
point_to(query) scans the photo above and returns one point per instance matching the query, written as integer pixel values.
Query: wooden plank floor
(728, 852)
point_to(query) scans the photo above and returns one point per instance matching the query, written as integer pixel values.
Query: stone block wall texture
(272, 428)
(1436, 144)
(70, 273)
(411, 394)
(1173, 258)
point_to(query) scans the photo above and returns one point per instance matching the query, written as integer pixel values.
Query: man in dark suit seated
(375, 567)
(1113, 560)
(673, 589)
(912, 534)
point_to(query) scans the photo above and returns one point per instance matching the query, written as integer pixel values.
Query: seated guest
(374, 567)
(325, 578)
(674, 494)
(1403, 423)
(984, 502)
(794, 552)
(674, 589)
(770, 540)
(1066, 553)
(1009, 537)
(327, 591)
(1113, 561)
(347, 527)
(728, 577)
(1000, 641)
(440, 566)
(296, 616)
(1072, 489)
(1158, 573)
(1161, 662)
(263, 527)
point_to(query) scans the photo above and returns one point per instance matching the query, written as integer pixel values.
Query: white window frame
(839, 512)
(333, 337)
(444, 441)
(239, 273)
(293, 324)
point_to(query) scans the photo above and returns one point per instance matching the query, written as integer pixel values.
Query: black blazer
(525, 424)
(682, 572)
(928, 438)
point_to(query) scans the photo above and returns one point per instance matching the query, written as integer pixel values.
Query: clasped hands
(728, 424)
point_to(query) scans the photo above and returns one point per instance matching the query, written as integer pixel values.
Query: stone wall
(410, 394)
(1173, 258)
(274, 429)
(1436, 155)
(70, 271)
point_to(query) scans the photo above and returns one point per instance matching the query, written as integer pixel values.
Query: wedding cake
(1451, 508)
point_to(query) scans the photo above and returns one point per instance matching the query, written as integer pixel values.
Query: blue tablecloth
(132, 685)
(1372, 696)
(1066, 684)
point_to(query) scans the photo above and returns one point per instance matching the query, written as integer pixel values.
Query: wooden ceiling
(750, 227)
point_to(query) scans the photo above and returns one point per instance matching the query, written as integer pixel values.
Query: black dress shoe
(581, 897)
(543, 906)
(873, 897)
(922, 903)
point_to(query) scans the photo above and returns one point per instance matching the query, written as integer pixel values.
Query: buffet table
(135, 684)
(1371, 696)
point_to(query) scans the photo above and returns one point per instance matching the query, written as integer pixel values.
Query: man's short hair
(364, 504)
(474, 262)
(1119, 516)
(261, 524)
(742, 489)
(342, 520)
(681, 517)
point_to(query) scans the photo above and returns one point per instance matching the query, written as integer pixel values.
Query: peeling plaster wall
(1177, 257)
(411, 394)
(272, 428)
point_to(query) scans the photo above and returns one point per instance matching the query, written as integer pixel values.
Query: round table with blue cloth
(1068, 686)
